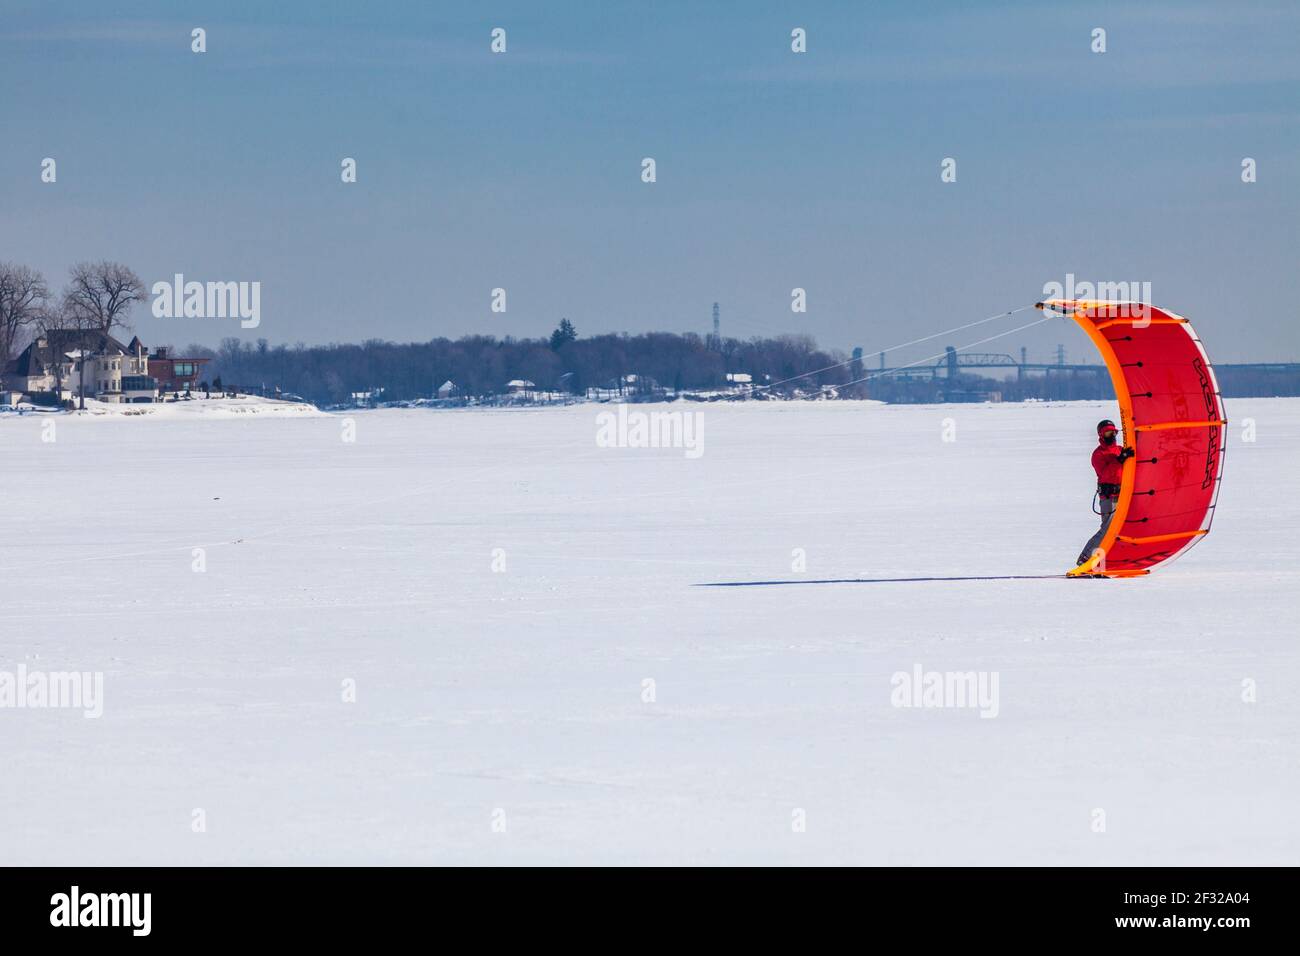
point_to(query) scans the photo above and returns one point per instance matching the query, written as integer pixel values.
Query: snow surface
(521, 691)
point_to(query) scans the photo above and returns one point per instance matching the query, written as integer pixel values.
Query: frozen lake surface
(538, 679)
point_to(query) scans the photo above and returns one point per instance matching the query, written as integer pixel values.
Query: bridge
(953, 361)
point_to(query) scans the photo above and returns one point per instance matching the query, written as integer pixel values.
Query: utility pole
(81, 378)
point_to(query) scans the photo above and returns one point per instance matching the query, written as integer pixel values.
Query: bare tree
(99, 296)
(23, 299)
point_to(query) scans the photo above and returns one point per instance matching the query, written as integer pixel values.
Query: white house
(57, 361)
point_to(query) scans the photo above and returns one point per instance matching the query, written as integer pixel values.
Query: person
(1108, 462)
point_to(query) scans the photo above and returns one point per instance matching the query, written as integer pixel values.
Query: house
(175, 374)
(57, 362)
(740, 383)
(634, 384)
(522, 388)
(448, 389)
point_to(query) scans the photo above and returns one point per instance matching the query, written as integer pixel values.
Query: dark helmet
(1106, 425)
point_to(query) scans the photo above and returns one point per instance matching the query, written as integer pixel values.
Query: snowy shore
(208, 408)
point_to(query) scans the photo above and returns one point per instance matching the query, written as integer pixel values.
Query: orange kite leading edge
(1171, 414)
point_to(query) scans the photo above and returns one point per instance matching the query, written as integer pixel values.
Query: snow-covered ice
(500, 588)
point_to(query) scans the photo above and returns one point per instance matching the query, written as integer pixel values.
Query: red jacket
(1106, 463)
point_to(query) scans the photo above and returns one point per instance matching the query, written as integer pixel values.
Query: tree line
(100, 296)
(482, 365)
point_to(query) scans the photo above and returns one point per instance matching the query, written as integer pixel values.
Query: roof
(157, 359)
(29, 361)
(34, 359)
(520, 383)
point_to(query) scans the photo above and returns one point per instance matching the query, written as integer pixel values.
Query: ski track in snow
(522, 690)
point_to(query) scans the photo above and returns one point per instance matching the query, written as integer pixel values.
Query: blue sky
(775, 170)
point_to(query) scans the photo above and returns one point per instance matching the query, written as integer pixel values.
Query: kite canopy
(1172, 415)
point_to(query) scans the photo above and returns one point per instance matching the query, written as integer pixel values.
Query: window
(180, 369)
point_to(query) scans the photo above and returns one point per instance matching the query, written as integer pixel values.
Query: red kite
(1172, 414)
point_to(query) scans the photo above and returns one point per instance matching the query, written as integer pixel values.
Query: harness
(1104, 490)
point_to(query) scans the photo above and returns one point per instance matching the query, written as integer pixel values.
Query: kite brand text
(1132, 299)
(208, 300)
(628, 429)
(946, 689)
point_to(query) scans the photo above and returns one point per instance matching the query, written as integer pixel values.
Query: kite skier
(1108, 462)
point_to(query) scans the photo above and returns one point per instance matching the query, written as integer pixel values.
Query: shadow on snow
(990, 577)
